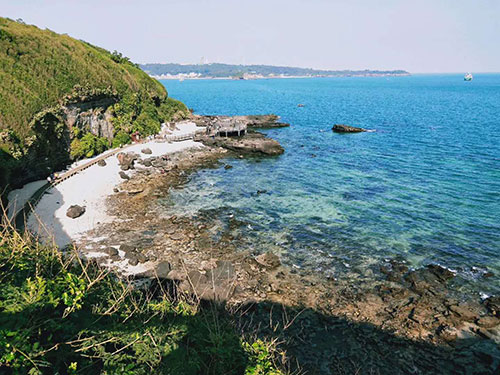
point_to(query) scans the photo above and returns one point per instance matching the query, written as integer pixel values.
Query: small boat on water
(468, 77)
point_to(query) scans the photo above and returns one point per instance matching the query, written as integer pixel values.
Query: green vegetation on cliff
(50, 83)
(59, 316)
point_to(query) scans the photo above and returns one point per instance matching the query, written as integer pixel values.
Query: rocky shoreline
(412, 313)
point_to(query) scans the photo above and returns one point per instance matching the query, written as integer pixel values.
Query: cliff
(63, 99)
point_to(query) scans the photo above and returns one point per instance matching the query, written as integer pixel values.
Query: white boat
(468, 77)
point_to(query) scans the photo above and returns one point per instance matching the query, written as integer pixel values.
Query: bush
(59, 316)
(88, 146)
(121, 138)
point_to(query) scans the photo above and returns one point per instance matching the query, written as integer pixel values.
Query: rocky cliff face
(92, 116)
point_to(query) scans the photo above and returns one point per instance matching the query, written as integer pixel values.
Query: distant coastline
(248, 72)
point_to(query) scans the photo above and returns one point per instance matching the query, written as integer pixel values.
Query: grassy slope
(58, 316)
(39, 67)
(41, 70)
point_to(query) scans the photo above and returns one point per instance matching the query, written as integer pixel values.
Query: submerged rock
(340, 128)
(75, 211)
(268, 260)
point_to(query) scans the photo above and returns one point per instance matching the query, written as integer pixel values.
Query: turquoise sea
(424, 187)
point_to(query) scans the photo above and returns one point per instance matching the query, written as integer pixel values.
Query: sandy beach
(89, 188)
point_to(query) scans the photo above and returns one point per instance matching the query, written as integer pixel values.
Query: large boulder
(126, 159)
(75, 211)
(340, 128)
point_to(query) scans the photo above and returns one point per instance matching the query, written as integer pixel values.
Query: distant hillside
(63, 99)
(254, 71)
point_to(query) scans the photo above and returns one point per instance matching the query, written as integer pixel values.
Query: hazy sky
(416, 35)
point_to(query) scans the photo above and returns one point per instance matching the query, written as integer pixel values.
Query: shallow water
(424, 187)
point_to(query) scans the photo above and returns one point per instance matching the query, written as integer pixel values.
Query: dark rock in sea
(111, 251)
(227, 166)
(146, 151)
(124, 175)
(253, 143)
(101, 163)
(340, 128)
(440, 272)
(75, 211)
(268, 260)
(259, 192)
(300, 105)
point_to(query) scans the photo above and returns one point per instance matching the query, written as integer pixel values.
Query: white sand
(18, 198)
(89, 188)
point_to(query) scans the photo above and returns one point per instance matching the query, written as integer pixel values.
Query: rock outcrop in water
(253, 143)
(340, 128)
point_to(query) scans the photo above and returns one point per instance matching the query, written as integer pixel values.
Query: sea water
(424, 187)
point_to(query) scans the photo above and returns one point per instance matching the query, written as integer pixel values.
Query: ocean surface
(423, 188)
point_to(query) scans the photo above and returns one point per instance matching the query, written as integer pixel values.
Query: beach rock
(146, 151)
(127, 248)
(176, 236)
(126, 159)
(124, 167)
(101, 163)
(147, 162)
(440, 272)
(162, 270)
(133, 261)
(124, 175)
(141, 258)
(75, 211)
(488, 322)
(176, 275)
(111, 251)
(268, 260)
(340, 128)
(493, 305)
(116, 190)
(251, 143)
(224, 272)
(464, 312)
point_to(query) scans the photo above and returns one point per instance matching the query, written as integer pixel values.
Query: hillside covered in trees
(63, 99)
(217, 70)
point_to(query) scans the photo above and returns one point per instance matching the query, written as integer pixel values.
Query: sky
(421, 36)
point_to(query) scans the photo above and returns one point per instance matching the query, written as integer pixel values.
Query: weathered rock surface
(340, 128)
(126, 159)
(75, 211)
(268, 260)
(253, 143)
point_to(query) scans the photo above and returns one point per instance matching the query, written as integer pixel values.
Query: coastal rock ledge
(340, 128)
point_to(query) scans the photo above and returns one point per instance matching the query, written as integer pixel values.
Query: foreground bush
(59, 316)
